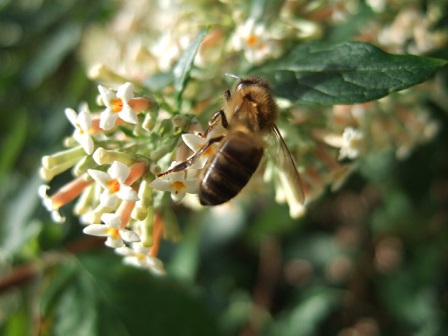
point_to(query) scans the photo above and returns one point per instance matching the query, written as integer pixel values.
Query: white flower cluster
(116, 153)
(114, 170)
(108, 197)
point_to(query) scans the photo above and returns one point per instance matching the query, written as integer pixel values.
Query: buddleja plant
(142, 128)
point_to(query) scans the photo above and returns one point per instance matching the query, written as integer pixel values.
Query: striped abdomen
(231, 168)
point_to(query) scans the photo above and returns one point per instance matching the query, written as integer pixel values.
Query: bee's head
(249, 81)
(252, 96)
(252, 81)
(253, 89)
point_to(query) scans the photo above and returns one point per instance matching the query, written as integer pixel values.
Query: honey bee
(248, 114)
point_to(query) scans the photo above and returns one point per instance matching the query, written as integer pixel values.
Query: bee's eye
(248, 81)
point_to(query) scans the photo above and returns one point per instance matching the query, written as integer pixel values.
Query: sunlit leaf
(344, 73)
(310, 311)
(183, 67)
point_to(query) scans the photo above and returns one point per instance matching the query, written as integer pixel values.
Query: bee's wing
(286, 165)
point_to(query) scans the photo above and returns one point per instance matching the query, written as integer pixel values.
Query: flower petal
(126, 193)
(132, 260)
(194, 142)
(154, 265)
(125, 251)
(100, 177)
(140, 249)
(56, 217)
(111, 220)
(86, 141)
(84, 120)
(96, 230)
(46, 200)
(72, 116)
(119, 171)
(108, 200)
(126, 92)
(106, 95)
(108, 119)
(129, 236)
(162, 185)
(114, 242)
(178, 196)
(128, 115)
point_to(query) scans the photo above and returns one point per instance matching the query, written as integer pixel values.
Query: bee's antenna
(232, 75)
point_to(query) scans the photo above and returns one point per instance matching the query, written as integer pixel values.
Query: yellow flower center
(209, 151)
(82, 131)
(117, 105)
(252, 40)
(113, 185)
(113, 233)
(178, 186)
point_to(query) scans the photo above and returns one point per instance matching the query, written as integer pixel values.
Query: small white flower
(170, 51)
(177, 184)
(254, 39)
(50, 205)
(112, 230)
(138, 256)
(117, 106)
(351, 143)
(46, 200)
(195, 143)
(82, 123)
(113, 184)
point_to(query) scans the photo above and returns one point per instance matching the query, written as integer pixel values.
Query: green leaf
(158, 81)
(16, 225)
(182, 69)
(311, 310)
(97, 295)
(19, 322)
(265, 9)
(146, 304)
(13, 143)
(61, 277)
(76, 310)
(344, 73)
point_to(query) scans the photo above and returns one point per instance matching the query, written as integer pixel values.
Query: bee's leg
(192, 159)
(219, 115)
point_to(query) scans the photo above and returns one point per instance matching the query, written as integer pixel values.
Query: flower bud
(103, 156)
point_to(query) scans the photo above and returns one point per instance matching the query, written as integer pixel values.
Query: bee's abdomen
(230, 169)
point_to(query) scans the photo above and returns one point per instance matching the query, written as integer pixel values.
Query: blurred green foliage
(372, 256)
